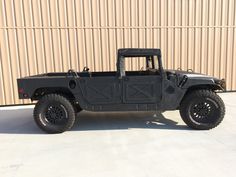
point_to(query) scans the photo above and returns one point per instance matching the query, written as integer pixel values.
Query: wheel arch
(40, 92)
(212, 87)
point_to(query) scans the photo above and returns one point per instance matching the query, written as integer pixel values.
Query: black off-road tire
(202, 109)
(54, 113)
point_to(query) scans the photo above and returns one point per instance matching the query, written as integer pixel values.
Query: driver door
(142, 89)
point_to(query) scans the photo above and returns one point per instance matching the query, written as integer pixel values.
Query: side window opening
(155, 63)
(135, 64)
(149, 62)
(141, 65)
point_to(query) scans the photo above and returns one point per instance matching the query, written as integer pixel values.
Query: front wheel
(54, 114)
(202, 109)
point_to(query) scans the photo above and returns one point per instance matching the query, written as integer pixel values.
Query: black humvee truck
(61, 95)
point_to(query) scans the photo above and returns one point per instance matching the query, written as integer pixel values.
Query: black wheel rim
(55, 114)
(204, 111)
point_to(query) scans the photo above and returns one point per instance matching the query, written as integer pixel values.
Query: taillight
(22, 93)
(21, 90)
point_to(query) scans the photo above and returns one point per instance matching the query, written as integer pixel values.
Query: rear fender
(40, 92)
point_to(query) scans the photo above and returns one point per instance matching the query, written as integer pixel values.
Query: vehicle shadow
(20, 121)
(128, 120)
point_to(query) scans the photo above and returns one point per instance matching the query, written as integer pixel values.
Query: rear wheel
(202, 109)
(54, 114)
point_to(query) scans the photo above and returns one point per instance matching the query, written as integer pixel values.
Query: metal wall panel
(38, 36)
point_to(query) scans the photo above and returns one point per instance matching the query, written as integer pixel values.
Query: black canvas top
(134, 52)
(138, 52)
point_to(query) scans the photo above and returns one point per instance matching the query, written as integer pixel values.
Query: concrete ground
(117, 145)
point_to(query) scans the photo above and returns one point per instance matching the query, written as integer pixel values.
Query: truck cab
(131, 90)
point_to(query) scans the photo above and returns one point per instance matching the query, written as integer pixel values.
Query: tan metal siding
(38, 36)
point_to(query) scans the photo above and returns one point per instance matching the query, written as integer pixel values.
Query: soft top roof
(135, 52)
(138, 52)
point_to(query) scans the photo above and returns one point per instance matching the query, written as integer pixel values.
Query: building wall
(38, 36)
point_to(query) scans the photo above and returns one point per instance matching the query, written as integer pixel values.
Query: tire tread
(201, 93)
(59, 98)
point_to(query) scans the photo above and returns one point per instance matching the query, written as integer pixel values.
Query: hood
(190, 74)
(193, 78)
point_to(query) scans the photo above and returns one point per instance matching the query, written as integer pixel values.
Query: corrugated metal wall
(38, 36)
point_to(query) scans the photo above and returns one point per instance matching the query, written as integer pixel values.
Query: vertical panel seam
(60, 36)
(214, 45)
(9, 53)
(208, 41)
(188, 38)
(108, 37)
(174, 37)
(233, 61)
(2, 74)
(194, 35)
(153, 23)
(100, 31)
(51, 32)
(25, 38)
(116, 42)
(76, 34)
(84, 32)
(201, 62)
(34, 38)
(92, 31)
(227, 41)
(181, 31)
(138, 6)
(167, 35)
(43, 37)
(18, 58)
(221, 21)
(123, 22)
(130, 32)
(68, 34)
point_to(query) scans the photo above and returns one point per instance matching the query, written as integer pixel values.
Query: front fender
(204, 83)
